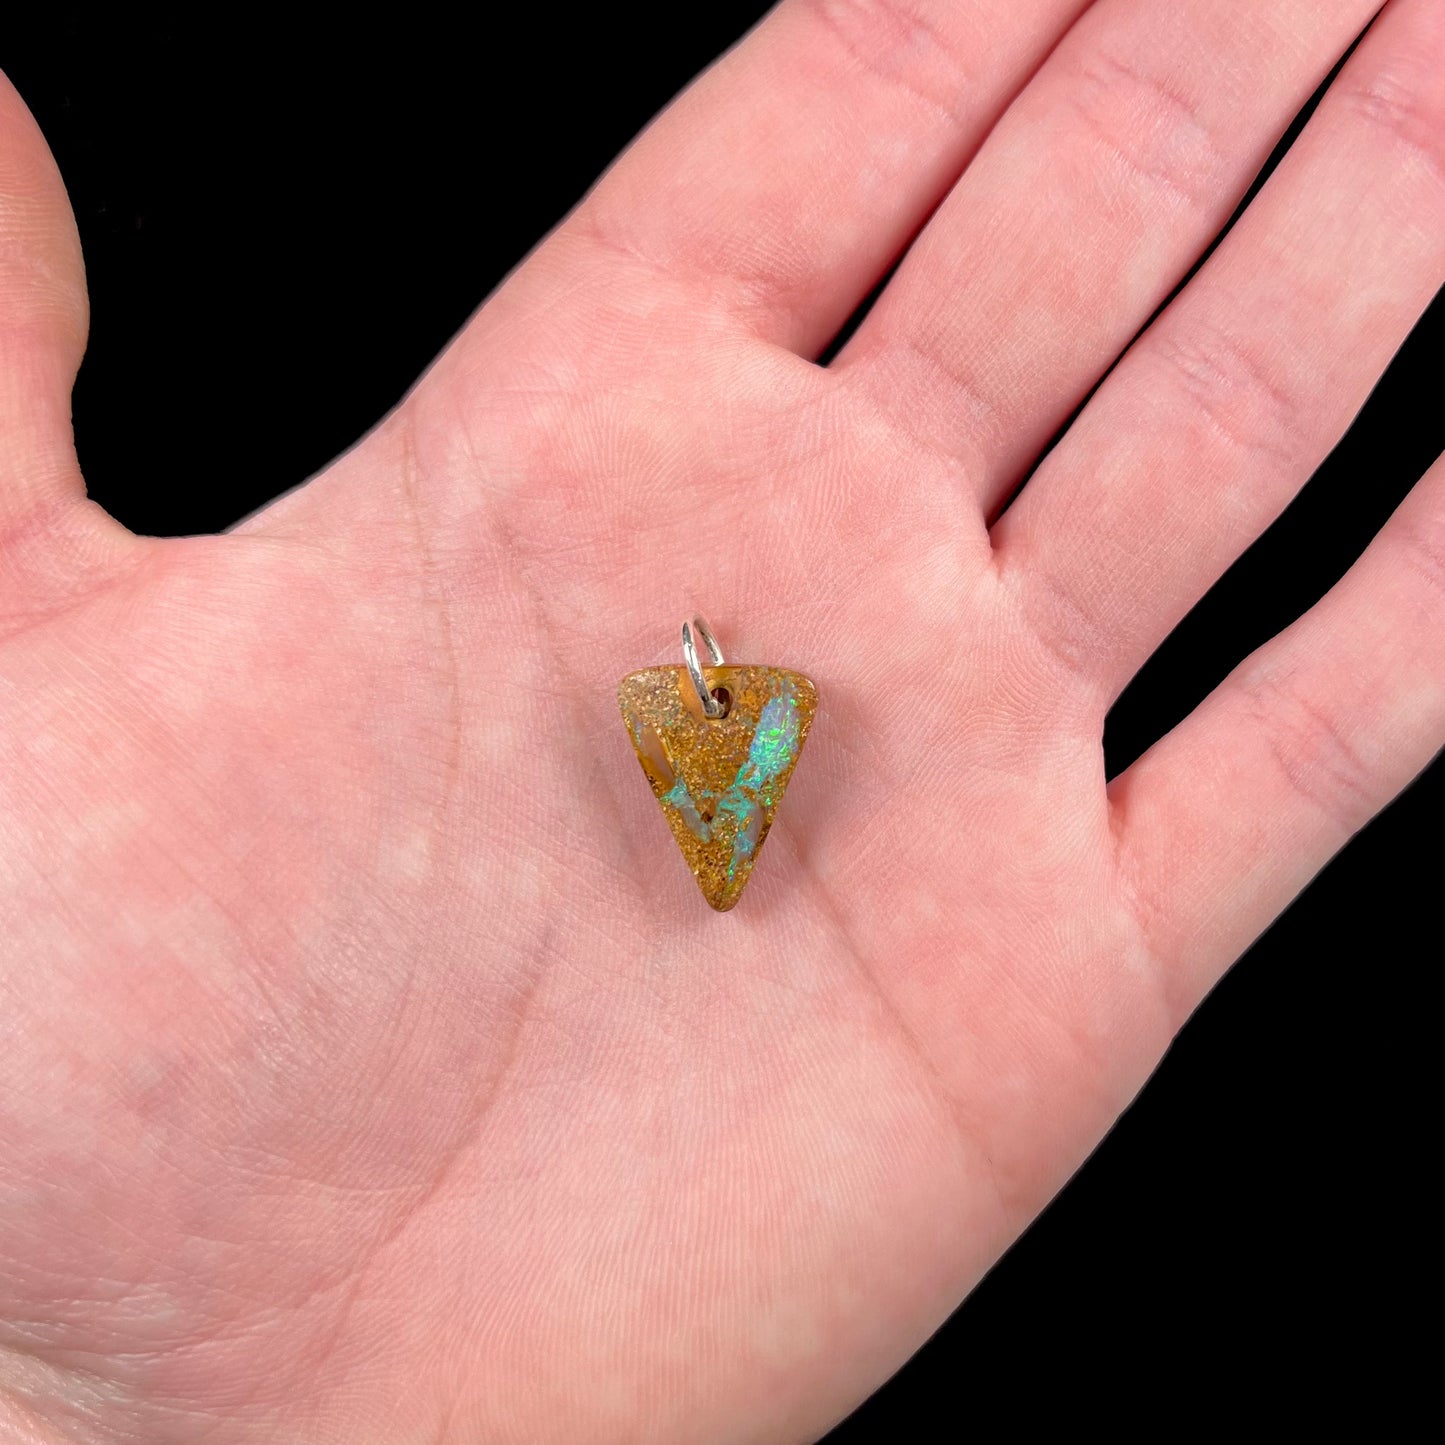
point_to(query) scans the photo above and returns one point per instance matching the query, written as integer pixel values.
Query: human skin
(371, 1069)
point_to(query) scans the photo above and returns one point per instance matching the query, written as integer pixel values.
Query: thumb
(48, 532)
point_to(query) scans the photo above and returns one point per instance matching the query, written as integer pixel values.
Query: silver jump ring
(711, 707)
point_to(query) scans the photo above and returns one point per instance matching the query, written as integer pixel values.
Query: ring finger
(1092, 196)
(1223, 408)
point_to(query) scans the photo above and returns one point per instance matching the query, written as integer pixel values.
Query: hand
(372, 1069)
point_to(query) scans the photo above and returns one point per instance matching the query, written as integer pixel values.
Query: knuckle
(1314, 754)
(1418, 537)
(898, 43)
(1232, 391)
(1150, 127)
(1403, 103)
(1070, 643)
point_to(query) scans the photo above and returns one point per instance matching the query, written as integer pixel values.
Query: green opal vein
(719, 781)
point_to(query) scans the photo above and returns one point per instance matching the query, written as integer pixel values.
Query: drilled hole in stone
(723, 698)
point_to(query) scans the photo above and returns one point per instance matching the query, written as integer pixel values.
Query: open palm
(372, 1069)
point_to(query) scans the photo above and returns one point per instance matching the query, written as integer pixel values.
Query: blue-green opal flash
(774, 743)
(774, 746)
(719, 781)
(682, 800)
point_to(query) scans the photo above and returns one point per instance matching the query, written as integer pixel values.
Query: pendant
(718, 745)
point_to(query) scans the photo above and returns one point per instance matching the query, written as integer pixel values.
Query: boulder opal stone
(719, 780)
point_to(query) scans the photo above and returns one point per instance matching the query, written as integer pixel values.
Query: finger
(42, 322)
(1115, 167)
(54, 545)
(1225, 406)
(788, 178)
(1226, 818)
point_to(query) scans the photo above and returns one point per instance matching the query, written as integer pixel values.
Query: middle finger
(1095, 192)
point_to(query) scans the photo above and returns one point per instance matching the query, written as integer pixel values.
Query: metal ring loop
(711, 707)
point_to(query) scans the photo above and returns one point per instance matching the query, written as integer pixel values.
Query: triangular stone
(719, 780)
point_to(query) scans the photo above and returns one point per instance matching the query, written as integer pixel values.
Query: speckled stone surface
(719, 780)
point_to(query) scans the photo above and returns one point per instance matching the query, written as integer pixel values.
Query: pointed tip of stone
(720, 901)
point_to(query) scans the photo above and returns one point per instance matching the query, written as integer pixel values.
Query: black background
(284, 225)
